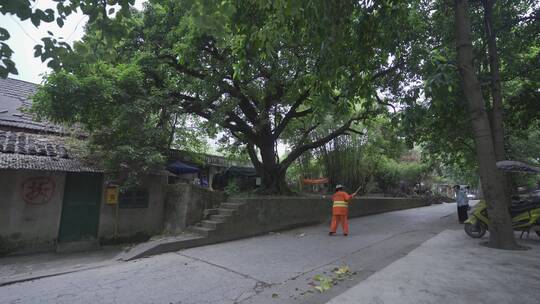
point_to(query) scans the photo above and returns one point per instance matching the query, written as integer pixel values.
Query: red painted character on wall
(38, 190)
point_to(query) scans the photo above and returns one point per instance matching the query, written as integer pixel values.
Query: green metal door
(80, 210)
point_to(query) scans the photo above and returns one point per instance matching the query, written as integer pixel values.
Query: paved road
(451, 268)
(274, 268)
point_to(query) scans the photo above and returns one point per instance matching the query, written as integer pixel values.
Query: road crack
(247, 276)
(259, 286)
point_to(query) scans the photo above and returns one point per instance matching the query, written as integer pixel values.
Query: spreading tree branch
(317, 143)
(173, 61)
(253, 156)
(292, 113)
(382, 102)
(244, 103)
(306, 132)
(388, 70)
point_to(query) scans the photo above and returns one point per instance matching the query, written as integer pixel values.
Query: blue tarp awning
(241, 171)
(179, 167)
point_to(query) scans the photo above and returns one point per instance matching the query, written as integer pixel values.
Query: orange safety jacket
(340, 201)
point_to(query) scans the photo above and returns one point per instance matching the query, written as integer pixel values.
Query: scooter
(525, 216)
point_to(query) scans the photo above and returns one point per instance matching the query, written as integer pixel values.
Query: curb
(26, 279)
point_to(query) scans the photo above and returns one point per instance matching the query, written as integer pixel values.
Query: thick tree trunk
(269, 167)
(273, 181)
(497, 116)
(501, 234)
(271, 172)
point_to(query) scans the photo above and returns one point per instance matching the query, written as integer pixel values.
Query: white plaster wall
(29, 226)
(146, 221)
(34, 227)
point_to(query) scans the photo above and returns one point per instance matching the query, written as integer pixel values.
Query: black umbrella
(517, 166)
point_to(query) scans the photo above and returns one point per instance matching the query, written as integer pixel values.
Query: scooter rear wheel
(475, 231)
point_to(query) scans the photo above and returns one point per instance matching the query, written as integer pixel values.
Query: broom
(358, 189)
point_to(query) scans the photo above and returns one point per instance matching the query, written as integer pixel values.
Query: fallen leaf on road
(325, 283)
(343, 270)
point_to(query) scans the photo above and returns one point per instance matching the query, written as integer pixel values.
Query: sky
(24, 35)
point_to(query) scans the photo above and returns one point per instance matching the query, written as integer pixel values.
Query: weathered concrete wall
(261, 215)
(30, 209)
(136, 223)
(185, 205)
(371, 205)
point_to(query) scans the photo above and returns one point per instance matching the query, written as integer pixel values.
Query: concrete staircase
(216, 219)
(216, 226)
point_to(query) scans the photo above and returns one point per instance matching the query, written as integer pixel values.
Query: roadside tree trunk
(497, 117)
(501, 234)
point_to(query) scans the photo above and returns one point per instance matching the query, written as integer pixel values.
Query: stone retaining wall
(261, 215)
(185, 205)
(254, 216)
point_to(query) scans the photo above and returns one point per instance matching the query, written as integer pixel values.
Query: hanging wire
(22, 28)
(76, 26)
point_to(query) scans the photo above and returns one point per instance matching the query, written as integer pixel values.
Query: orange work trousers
(339, 219)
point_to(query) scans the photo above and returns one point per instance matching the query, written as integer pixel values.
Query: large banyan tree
(259, 70)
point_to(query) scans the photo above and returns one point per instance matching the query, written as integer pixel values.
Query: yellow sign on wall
(111, 195)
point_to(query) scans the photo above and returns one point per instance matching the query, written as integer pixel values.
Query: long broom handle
(356, 192)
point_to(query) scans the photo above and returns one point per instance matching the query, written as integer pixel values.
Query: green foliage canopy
(252, 68)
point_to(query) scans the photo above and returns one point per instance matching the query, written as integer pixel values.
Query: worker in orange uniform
(340, 210)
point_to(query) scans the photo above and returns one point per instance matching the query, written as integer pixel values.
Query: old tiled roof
(14, 97)
(26, 144)
(42, 163)
(37, 152)
(17, 88)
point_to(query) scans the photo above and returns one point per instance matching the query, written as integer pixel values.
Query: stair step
(212, 211)
(204, 231)
(209, 212)
(219, 217)
(211, 224)
(226, 211)
(230, 205)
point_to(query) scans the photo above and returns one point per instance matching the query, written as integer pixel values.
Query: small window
(134, 198)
